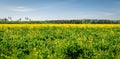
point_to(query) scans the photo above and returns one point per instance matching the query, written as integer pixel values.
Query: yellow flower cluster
(60, 25)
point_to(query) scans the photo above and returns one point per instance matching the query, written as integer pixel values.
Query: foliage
(74, 21)
(58, 42)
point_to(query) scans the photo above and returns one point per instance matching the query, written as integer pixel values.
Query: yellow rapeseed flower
(60, 25)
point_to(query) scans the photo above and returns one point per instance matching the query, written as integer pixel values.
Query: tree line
(74, 21)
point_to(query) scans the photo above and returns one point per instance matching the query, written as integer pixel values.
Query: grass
(59, 41)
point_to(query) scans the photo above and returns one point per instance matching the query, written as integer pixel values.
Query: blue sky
(60, 9)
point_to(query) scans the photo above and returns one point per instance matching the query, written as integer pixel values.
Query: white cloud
(22, 9)
(107, 13)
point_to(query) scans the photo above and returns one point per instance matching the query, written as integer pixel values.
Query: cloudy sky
(60, 9)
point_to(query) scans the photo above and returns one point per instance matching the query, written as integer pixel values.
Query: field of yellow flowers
(59, 41)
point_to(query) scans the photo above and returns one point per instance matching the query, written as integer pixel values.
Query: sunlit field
(60, 25)
(59, 41)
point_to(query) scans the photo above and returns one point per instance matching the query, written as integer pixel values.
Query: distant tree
(5, 19)
(29, 19)
(26, 18)
(10, 18)
(83, 21)
(19, 19)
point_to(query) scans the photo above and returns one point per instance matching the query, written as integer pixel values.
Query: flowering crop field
(59, 41)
